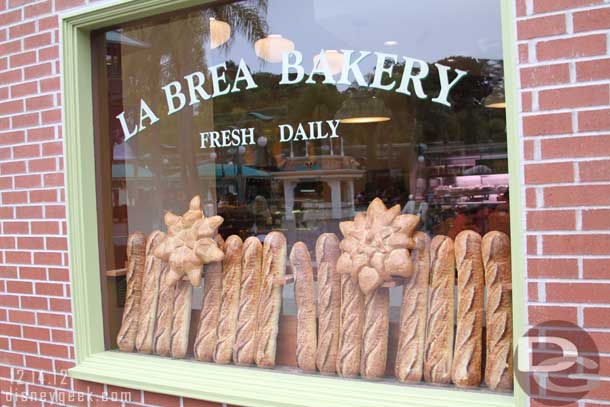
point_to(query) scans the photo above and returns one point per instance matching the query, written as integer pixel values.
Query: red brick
(131, 395)
(547, 124)
(41, 134)
(13, 137)
(53, 259)
(50, 289)
(586, 146)
(541, 27)
(19, 287)
(22, 29)
(16, 228)
(528, 149)
(38, 363)
(12, 76)
(594, 120)
(48, 23)
(161, 400)
(590, 20)
(41, 165)
(540, 314)
(39, 102)
(48, 53)
(576, 245)
(549, 173)
(579, 96)
(546, 6)
(35, 303)
(7, 242)
(37, 9)
(53, 148)
(21, 317)
(14, 197)
(55, 211)
(598, 170)
(29, 212)
(8, 272)
(530, 198)
(57, 274)
(51, 116)
(578, 195)
(573, 47)
(18, 257)
(596, 219)
(199, 403)
(551, 220)
(39, 334)
(585, 293)
(24, 58)
(595, 317)
(37, 71)
(60, 305)
(14, 106)
(37, 41)
(49, 84)
(54, 179)
(9, 330)
(10, 17)
(523, 53)
(532, 245)
(43, 195)
(30, 243)
(32, 273)
(23, 89)
(28, 181)
(45, 228)
(26, 151)
(53, 320)
(25, 120)
(64, 4)
(58, 351)
(57, 243)
(597, 69)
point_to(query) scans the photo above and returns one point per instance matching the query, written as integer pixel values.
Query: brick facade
(564, 68)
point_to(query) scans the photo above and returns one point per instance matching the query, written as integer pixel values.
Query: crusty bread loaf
(270, 305)
(467, 353)
(351, 321)
(165, 314)
(150, 294)
(439, 332)
(375, 334)
(205, 340)
(495, 248)
(231, 280)
(329, 302)
(413, 313)
(244, 349)
(136, 259)
(305, 299)
(183, 300)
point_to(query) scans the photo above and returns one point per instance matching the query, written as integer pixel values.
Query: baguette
(136, 259)
(165, 314)
(150, 294)
(227, 321)
(183, 300)
(438, 356)
(413, 312)
(350, 328)
(205, 340)
(305, 298)
(329, 302)
(375, 334)
(495, 247)
(270, 306)
(468, 348)
(244, 348)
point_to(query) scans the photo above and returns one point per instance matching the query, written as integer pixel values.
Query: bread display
(205, 339)
(244, 349)
(374, 248)
(183, 297)
(268, 314)
(150, 294)
(329, 302)
(375, 334)
(190, 243)
(229, 309)
(351, 320)
(305, 298)
(411, 344)
(495, 248)
(467, 352)
(438, 354)
(136, 259)
(165, 315)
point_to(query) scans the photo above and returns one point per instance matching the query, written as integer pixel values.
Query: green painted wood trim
(226, 384)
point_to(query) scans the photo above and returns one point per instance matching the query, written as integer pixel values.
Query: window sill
(267, 388)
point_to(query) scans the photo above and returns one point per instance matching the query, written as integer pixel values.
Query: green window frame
(224, 384)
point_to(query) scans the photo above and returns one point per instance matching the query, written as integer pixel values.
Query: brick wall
(564, 67)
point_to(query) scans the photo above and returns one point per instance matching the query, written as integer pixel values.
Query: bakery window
(315, 189)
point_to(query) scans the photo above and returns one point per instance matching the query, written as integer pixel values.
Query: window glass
(288, 118)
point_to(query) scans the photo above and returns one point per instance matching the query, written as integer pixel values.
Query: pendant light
(272, 47)
(363, 109)
(220, 32)
(334, 59)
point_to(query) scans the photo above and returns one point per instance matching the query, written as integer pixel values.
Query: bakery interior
(447, 165)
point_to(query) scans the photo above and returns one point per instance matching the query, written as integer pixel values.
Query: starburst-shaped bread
(190, 243)
(375, 246)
